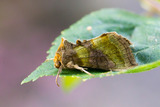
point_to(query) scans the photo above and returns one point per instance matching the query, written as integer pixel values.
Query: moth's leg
(71, 65)
(57, 76)
(82, 69)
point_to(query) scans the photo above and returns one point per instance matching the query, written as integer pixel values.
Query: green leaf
(142, 31)
(69, 82)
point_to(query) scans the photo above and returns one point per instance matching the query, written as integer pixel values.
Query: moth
(110, 51)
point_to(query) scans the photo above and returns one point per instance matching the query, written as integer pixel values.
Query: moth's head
(58, 55)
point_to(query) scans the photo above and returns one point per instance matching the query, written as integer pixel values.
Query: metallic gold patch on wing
(122, 45)
(83, 55)
(103, 44)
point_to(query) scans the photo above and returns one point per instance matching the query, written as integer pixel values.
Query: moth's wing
(123, 45)
(116, 49)
(109, 51)
(92, 58)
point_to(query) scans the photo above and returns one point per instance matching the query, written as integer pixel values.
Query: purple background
(27, 28)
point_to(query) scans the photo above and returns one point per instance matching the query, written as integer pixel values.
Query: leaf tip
(23, 82)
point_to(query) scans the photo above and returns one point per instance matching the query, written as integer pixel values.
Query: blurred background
(27, 28)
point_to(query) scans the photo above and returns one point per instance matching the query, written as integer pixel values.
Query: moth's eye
(57, 64)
